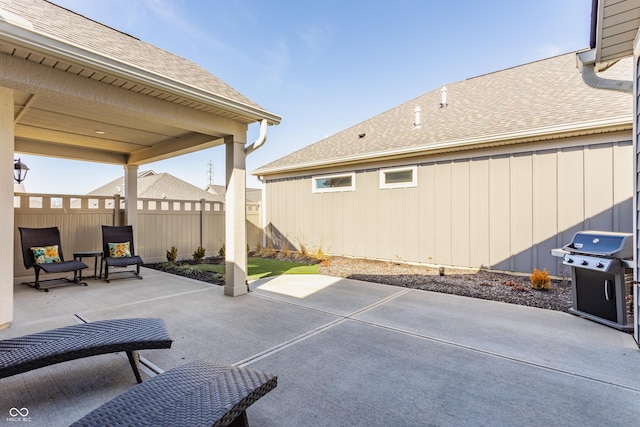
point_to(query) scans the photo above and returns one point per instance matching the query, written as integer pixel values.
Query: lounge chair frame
(119, 234)
(28, 352)
(48, 236)
(200, 393)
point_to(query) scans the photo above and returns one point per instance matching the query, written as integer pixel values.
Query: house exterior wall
(501, 208)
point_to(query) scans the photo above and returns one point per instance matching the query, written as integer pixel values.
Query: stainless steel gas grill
(602, 274)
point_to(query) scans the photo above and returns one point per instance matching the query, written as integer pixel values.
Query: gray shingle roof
(153, 185)
(158, 186)
(76, 29)
(531, 99)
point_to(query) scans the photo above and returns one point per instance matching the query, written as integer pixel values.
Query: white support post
(131, 199)
(235, 219)
(7, 146)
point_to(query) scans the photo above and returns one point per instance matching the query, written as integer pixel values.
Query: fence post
(201, 221)
(116, 209)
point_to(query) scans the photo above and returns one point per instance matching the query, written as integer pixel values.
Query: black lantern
(19, 171)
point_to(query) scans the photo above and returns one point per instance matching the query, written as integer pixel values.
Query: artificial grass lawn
(265, 267)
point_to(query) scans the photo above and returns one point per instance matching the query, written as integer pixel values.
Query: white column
(7, 145)
(131, 199)
(235, 219)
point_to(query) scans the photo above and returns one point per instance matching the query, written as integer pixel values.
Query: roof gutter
(586, 63)
(20, 31)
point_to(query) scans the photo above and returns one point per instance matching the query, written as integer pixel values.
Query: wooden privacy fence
(185, 224)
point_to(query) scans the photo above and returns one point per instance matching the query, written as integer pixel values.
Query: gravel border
(508, 288)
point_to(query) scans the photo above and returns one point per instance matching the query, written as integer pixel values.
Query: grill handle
(607, 285)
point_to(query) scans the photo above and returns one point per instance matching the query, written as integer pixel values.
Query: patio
(345, 352)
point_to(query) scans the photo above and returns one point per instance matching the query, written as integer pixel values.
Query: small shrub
(320, 255)
(172, 254)
(269, 251)
(303, 251)
(223, 250)
(259, 249)
(286, 251)
(540, 280)
(198, 254)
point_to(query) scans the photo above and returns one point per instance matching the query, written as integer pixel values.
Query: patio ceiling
(83, 102)
(613, 29)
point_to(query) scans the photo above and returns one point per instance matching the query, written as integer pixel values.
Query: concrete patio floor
(347, 353)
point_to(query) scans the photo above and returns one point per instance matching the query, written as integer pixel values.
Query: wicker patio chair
(28, 352)
(47, 240)
(119, 251)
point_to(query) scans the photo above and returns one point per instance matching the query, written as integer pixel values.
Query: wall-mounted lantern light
(19, 171)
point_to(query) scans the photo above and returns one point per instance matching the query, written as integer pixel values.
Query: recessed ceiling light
(100, 132)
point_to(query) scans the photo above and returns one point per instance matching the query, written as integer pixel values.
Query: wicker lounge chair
(122, 235)
(25, 353)
(42, 238)
(201, 393)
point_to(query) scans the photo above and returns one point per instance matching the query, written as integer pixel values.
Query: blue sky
(323, 65)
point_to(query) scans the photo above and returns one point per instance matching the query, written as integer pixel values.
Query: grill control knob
(599, 265)
(584, 262)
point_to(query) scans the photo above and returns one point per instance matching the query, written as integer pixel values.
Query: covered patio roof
(614, 24)
(85, 91)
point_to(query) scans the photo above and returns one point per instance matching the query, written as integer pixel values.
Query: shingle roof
(76, 29)
(153, 185)
(158, 186)
(538, 98)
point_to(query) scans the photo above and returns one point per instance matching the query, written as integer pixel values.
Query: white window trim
(352, 187)
(412, 183)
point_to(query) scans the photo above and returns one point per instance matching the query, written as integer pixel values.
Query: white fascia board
(552, 132)
(27, 38)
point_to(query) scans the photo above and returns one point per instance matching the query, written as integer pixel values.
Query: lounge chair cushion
(120, 250)
(46, 254)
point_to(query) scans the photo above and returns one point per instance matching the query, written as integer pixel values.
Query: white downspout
(586, 64)
(261, 139)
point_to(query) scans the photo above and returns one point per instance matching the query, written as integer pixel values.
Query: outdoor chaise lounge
(117, 245)
(28, 352)
(42, 250)
(201, 393)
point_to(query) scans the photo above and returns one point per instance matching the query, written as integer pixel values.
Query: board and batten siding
(498, 210)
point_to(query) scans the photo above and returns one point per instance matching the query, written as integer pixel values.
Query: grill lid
(602, 243)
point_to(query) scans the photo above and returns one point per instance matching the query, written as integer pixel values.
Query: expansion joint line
(340, 319)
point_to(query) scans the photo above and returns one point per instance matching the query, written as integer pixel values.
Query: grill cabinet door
(591, 293)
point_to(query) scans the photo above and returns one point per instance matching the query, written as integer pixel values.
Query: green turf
(265, 267)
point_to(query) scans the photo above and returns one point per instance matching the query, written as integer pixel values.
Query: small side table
(90, 254)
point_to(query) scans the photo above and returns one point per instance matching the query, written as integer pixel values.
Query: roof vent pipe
(261, 138)
(443, 97)
(586, 64)
(416, 118)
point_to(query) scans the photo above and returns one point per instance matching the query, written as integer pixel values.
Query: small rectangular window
(328, 183)
(399, 177)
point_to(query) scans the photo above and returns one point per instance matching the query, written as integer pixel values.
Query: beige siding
(498, 210)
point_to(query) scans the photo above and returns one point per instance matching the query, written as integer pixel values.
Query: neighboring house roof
(540, 100)
(152, 185)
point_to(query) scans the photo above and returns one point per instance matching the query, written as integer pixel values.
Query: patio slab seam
(342, 318)
(494, 354)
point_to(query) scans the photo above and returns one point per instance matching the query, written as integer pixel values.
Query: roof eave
(19, 33)
(542, 134)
